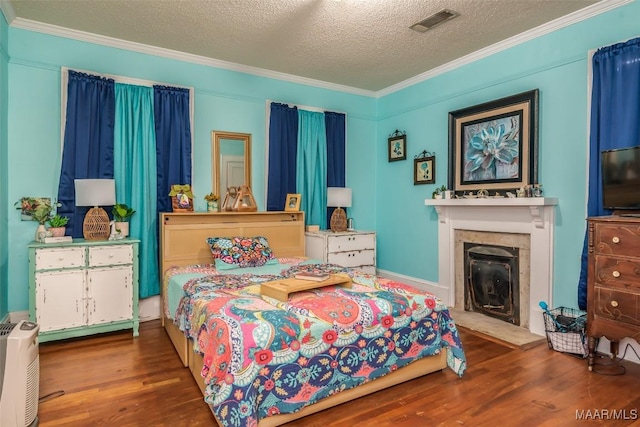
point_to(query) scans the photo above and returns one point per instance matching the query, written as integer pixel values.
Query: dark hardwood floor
(116, 380)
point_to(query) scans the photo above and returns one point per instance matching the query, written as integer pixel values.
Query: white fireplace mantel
(534, 204)
(534, 216)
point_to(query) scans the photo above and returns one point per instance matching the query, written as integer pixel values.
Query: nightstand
(355, 249)
(83, 287)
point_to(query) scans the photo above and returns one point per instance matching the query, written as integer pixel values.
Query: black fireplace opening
(491, 281)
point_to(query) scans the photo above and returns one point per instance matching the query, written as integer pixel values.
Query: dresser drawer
(617, 305)
(619, 272)
(617, 239)
(351, 242)
(56, 258)
(352, 258)
(110, 255)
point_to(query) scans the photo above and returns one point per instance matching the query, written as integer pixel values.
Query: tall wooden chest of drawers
(613, 298)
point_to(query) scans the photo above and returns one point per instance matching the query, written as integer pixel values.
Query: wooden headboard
(183, 235)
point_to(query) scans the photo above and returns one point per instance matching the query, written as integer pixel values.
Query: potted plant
(212, 202)
(41, 214)
(438, 193)
(121, 216)
(58, 225)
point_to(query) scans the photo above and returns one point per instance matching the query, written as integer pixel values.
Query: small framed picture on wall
(397, 146)
(424, 168)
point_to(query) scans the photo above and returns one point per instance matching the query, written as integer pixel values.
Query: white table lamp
(338, 197)
(95, 193)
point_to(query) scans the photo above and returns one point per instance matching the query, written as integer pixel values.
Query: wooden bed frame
(183, 242)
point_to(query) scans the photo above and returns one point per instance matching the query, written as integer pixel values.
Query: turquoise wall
(556, 64)
(384, 197)
(224, 100)
(4, 202)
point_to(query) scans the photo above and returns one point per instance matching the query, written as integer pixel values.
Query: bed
(264, 362)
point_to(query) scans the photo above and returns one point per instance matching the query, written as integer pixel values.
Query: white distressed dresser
(356, 249)
(83, 287)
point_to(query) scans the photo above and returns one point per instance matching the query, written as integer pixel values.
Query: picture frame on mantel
(494, 145)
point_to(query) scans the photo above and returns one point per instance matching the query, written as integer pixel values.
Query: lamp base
(338, 220)
(96, 224)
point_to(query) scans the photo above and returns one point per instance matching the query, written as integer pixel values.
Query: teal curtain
(136, 175)
(311, 166)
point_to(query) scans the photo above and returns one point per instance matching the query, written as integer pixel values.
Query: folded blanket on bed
(263, 356)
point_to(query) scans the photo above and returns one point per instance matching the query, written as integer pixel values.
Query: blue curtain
(311, 166)
(88, 141)
(135, 175)
(283, 149)
(336, 153)
(173, 141)
(615, 123)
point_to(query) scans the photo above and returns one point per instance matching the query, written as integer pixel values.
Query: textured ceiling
(364, 44)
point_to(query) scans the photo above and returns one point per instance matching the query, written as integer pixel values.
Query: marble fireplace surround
(530, 218)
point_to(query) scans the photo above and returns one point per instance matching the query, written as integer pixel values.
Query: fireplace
(510, 252)
(523, 223)
(491, 284)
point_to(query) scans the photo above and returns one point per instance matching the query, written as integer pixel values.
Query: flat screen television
(621, 178)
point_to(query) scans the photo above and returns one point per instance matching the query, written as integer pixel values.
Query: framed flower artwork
(424, 168)
(397, 146)
(494, 146)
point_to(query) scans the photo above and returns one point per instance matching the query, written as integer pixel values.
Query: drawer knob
(60, 258)
(614, 303)
(615, 273)
(615, 239)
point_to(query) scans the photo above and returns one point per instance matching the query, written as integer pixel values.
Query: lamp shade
(95, 192)
(338, 197)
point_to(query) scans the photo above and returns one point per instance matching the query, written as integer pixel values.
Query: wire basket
(566, 330)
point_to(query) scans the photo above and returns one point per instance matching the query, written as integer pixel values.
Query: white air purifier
(19, 374)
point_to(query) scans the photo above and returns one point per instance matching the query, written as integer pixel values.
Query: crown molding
(7, 11)
(573, 18)
(54, 30)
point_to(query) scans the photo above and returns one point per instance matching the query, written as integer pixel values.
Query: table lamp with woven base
(96, 224)
(338, 197)
(95, 193)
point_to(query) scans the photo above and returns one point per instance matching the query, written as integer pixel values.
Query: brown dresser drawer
(618, 272)
(617, 305)
(617, 239)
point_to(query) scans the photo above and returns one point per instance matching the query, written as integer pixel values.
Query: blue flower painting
(492, 150)
(397, 148)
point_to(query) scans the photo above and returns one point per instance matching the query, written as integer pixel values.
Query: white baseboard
(604, 348)
(424, 285)
(149, 308)
(16, 316)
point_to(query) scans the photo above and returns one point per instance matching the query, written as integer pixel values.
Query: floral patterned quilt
(264, 357)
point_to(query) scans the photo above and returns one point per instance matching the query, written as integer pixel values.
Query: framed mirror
(231, 166)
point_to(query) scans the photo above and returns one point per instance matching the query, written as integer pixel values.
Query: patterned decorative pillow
(240, 251)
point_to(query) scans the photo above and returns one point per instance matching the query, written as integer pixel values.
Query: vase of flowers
(42, 214)
(212, 202)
